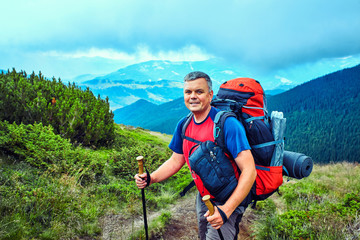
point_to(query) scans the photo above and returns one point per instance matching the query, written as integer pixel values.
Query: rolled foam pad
(298, 165)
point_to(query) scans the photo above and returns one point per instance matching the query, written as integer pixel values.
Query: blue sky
(69, 38)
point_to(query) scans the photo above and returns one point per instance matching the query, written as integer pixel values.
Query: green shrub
(36, 144)
(73, 113)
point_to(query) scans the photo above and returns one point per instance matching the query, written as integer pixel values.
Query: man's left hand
(215, 220)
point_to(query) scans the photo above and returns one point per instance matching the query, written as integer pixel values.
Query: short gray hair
(197, 74)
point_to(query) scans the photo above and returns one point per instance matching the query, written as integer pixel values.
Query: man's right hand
(140, 180)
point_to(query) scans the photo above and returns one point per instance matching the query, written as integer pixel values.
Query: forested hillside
(323, 116)
(73, 113)
(161, 118)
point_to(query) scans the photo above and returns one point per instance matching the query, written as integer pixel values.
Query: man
(197, 96)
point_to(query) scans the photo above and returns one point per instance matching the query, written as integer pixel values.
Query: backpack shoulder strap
(186, 123)
(219, 137)
(219, 123)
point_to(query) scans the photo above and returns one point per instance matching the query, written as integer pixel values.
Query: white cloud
(129, 86)
(284, 80)
(228, 72)
(91, 53)
(156, 97)
(345, 58)
(142, 54)
(127, 100)
(129, 32)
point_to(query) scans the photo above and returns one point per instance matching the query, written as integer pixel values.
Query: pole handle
(210, 206)
(140, 160)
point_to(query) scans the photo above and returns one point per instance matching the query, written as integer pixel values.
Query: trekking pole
(141, 170)
(210, 206)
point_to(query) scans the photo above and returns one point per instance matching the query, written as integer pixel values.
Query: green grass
(50, 189)
(156, 227)
(326, 205)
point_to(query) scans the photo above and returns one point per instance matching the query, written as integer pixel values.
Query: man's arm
(166, 170)
(245, 162)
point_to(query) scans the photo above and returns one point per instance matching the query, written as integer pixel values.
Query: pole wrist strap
(222, 214)
(148, 179)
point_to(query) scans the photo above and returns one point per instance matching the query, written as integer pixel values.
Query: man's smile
(194, 103)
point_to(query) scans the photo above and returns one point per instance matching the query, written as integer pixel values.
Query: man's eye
(199, 92)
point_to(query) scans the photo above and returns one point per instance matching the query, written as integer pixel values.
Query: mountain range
(155, 81)
(161, 81)
(160, 118)
(323, 117)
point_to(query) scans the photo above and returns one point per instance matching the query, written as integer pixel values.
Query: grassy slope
(52, 192)
(326, 205)
(67, 198)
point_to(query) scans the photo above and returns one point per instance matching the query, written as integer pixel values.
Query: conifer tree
(73, 113)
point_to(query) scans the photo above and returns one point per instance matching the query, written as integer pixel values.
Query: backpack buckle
(217, 132)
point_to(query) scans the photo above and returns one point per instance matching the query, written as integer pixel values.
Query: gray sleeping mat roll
(297, 165)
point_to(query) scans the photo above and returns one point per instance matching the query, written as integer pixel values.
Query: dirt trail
(183, 222)
(182, 225)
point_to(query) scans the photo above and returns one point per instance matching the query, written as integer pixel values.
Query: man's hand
(140, 180)
(166, 170)
(215, 220)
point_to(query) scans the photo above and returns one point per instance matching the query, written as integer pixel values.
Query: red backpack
(245, 98)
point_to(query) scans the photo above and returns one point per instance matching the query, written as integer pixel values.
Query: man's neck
(201, 116)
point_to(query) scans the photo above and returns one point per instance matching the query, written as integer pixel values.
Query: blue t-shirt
(235, 136)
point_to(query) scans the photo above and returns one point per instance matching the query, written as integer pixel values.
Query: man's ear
(211, 94)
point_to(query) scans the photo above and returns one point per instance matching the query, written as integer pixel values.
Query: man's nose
(193, 95)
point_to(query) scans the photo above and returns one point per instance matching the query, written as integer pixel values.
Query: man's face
(197, 96)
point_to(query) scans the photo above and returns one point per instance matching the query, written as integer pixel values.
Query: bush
(36, 144)
(73, 113)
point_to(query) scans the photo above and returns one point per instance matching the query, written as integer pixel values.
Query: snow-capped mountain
(155, 81)
(162, 81)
